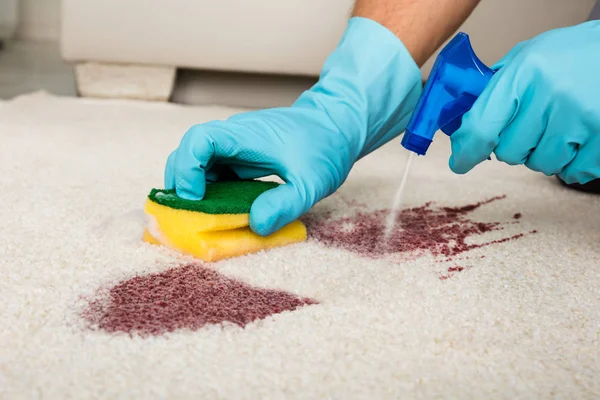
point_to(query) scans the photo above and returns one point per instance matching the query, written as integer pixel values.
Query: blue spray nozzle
(458, 77)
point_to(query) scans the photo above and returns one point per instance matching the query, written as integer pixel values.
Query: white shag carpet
(521, 322)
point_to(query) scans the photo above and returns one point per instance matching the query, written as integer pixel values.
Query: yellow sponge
(216, 227)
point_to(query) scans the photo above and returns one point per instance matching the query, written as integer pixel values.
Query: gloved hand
(368, 87)
(541, 109)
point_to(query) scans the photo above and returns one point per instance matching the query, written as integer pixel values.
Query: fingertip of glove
(186, 195)
(566, 178)
(261, 229)
(274, 209)
(262, 224)
(578, 177)
(456, 167)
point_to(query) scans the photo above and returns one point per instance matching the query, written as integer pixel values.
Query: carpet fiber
(488, 288)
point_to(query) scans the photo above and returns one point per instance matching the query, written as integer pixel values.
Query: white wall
(39, 20)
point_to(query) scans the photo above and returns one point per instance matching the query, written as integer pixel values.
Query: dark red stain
(193, 296)
(188, 297)
(441, 231)
(452, 271)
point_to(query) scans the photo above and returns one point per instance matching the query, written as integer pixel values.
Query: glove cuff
(368, 86)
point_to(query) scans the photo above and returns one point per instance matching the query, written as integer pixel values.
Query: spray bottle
(458, 77)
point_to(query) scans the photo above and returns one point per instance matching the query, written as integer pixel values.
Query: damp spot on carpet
(188, 297)
(440, 231)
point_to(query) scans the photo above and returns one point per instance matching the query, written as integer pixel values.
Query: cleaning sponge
(216, 227)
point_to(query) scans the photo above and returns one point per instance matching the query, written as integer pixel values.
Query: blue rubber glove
(367, 90)
(541, 109)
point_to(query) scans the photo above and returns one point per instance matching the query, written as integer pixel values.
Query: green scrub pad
(230, 197)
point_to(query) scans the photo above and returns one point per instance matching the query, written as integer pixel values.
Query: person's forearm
(422, 25)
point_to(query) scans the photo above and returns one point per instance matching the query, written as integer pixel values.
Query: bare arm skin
(422, 25)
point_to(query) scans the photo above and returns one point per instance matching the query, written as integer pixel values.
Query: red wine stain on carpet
(194, 296)
(452, 271)
(188, 297)
(441, 231)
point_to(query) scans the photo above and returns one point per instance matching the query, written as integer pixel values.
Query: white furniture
(131, 48)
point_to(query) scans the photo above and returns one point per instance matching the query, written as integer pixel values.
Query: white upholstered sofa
(131, 48)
